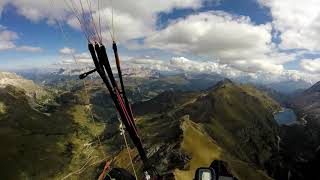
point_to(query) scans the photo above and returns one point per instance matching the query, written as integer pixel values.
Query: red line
(123, 107)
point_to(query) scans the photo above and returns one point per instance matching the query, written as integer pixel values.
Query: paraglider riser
(103, 68)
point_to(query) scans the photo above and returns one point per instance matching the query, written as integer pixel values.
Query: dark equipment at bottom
(119, 174)
(218, 170)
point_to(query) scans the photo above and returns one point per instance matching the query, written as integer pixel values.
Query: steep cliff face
(308, 103)
(308, 107)
(300, 143)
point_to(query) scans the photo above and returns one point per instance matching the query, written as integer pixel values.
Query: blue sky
(255, 35)
(51, 40)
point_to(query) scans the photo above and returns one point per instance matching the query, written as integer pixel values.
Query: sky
(267, 40)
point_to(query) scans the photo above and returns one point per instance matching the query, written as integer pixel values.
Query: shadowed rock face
(315, 88)
(299, 143)
(308, 103)
(308, 107)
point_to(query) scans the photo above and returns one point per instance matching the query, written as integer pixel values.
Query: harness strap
(105, 170)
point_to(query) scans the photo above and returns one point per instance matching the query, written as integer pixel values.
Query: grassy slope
(75, 130)
(3, 108)
(84, 150)
(234, 108)
(239, 118)
(204, 150)
(40, 146)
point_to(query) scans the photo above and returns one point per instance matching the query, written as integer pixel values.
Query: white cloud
(139, 27)
(232, 40)
(28, 49)
(185, 65)
(80, 58)
(296, 75)
(236, 44)
(67, 62)
(311, 65)
(137, 19)
(215, 34)
(298, 22)
(7, 41)
(83, 56)
(67, 51)
(6, 45)
(146, 63)
(8, 35)
(84, 61)
(182, 65)
(2, 4)
(39, 10)
(132, 19)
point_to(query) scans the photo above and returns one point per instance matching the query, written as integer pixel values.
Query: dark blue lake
(285, 117)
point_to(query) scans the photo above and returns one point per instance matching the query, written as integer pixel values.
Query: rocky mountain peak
(314, 88)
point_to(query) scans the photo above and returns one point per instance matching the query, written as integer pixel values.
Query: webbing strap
(105, 170)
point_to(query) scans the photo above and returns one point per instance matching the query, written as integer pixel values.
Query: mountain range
(185, 121)
(233, 122)
(136, 71)
(31, 89)
(290, 87)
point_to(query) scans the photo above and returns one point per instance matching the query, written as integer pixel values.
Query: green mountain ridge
(238, 118)
(231, 122)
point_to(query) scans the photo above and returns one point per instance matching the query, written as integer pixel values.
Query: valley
(159, 90)
(184, 124)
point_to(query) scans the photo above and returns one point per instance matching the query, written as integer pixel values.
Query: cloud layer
(297, 21)
(311, 65)
(67, 51)
(140, 16)
(230, 39)
(185, 65)
(233, 44)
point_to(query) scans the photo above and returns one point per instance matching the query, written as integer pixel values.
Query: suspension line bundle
(102, 65)
(103, 68)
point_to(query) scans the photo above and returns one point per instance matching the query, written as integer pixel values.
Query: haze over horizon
(256, 38)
